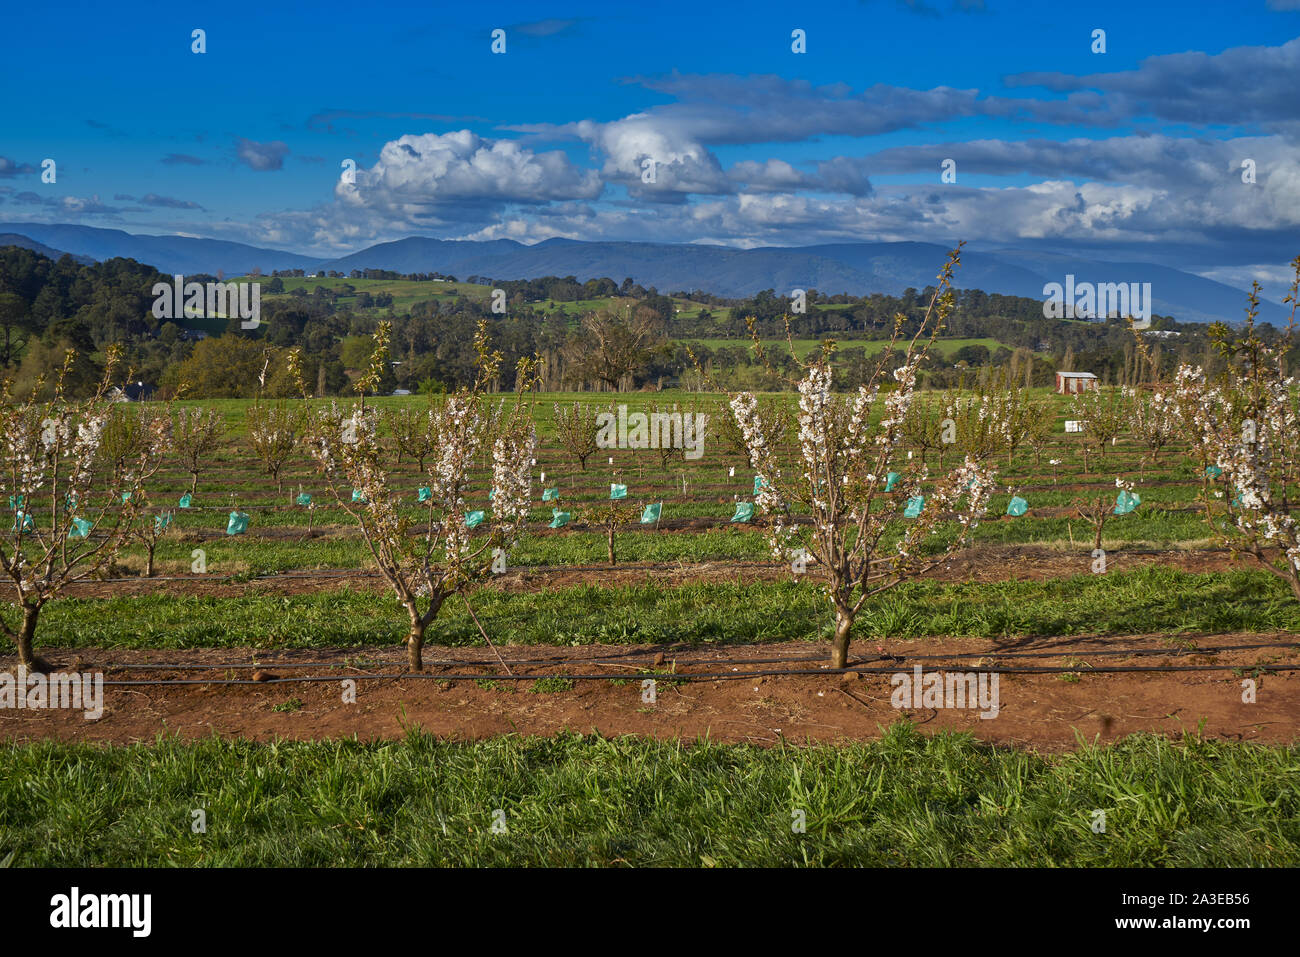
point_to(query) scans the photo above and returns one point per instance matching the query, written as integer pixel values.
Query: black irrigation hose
(691, 678)
(305, 574)
(614, 659)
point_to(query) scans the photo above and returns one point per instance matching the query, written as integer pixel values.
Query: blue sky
(1134, 153)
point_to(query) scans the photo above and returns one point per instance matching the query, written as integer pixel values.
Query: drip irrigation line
(618, 659)
(305, 574)
(691, 678)
(301, 574)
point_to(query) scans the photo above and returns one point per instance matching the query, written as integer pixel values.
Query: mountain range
(853, 268)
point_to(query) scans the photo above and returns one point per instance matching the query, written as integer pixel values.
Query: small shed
(1068, 383)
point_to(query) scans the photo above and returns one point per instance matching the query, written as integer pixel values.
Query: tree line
(48, 307)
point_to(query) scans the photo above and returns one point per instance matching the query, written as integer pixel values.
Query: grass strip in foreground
(907, 800)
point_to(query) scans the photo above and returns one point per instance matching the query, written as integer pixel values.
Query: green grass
(1150, 599)
(777, 348)
(906, 800)
(405, 293)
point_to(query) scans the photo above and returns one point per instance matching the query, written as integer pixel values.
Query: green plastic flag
(617, 491)
(80, 528)
(25, 519)
(16, 501)
(1213, 471)
(185, 500)
(492, 495)
(358, 497)
(1017, 506)
(558, 518)
(1237, 501)
(474, 519)
(426, 493)
(914, 506)
(126, 497)
(1126, 501)
(161, 522)
(744, 512)
(550, 494)
(238, 523)
(70, 502)
(651, 513)
(760, 483)
(303, 499)
(891, 481)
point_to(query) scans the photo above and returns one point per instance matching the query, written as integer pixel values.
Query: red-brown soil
(1042, 711)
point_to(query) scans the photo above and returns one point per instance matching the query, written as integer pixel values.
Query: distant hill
(853, 268)
(26, 242)
(168, 254)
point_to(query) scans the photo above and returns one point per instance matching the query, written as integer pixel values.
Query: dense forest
(47, 307)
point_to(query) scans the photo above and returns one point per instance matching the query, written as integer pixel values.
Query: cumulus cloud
(424, 177)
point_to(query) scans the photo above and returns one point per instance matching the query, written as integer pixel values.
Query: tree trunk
(148, 568)
(610, 545)
(24, 641)
(194, 481)
(415, 645)
(840, 644)
(1293, 579)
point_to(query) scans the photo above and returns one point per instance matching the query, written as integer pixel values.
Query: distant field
(406, 293)
(945, 347)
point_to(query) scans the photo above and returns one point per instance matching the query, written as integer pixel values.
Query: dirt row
(468, 694)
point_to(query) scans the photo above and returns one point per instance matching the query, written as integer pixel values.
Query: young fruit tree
(1105, 414)
(430, 554)
(1246, 422)
(862, 539)
(196, 435)
(772, 418)
(275, 428)
(73, 510)
(576, 429)
(414, 432)
(608, 516)
(1155, 422)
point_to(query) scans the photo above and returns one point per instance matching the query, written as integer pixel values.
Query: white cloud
(418, 178)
